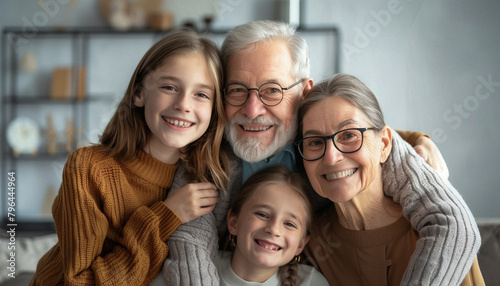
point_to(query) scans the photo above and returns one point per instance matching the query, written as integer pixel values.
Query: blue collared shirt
(284, 157)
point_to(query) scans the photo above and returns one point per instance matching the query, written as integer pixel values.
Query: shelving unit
(28, 94)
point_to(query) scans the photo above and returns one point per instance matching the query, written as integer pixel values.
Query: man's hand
(431, 154)
(193, 200)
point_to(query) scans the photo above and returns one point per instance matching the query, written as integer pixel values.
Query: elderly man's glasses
(270, 93)
(346, 141)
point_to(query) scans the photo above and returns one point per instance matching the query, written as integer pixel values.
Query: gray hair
(245, 36)
(350, 88)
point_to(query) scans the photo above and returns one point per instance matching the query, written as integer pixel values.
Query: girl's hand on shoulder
(193, 200)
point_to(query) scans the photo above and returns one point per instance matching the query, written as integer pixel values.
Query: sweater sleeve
(449, 236)
(88, 258)
(194, 245)
(191, 247)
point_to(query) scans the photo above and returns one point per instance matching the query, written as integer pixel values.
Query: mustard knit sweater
(111, 221)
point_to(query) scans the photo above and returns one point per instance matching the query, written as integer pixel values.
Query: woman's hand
(193, 200)
(432, 156)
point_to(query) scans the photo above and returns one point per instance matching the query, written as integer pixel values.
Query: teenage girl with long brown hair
(113, 213)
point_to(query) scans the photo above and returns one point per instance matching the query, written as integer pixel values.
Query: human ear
(386, 143)
(302, 244)
(232, 222)
(308, 84)
(139, 99)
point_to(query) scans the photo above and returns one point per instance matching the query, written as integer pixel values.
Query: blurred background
(434, 65)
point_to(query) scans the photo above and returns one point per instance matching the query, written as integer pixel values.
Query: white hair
(245, 36)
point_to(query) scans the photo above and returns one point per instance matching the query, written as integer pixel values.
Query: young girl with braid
(269, 227)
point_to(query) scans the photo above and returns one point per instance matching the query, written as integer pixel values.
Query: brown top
(111, 221)
(369, 257)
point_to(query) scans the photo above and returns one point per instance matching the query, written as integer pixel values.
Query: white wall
(434, 65)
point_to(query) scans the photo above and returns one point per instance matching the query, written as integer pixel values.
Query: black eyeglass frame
(325, 138)
(260, 95)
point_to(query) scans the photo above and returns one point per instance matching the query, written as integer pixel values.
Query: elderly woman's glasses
(270, 93)
(346, 141)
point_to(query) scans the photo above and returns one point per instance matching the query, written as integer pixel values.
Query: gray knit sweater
(193, 245)
(449, 237)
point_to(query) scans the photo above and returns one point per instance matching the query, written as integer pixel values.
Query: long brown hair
(127, 132)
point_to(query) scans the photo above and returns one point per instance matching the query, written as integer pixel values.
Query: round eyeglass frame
(325, 138)
(260, 95)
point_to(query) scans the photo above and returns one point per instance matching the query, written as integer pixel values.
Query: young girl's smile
(177, 98)
(269, 233)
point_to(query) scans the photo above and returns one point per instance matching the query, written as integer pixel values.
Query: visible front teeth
(268, 246)
(179, 123)
(246, 128)
(340, 174)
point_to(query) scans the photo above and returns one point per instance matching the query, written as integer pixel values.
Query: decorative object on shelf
(196, 12)
(190, 25)
(137, 15)
(207, 20)
(28, 62)
(23, 136)
(161, 21)
(62, 83)
(69, 136)
(128, 14)
(119, 18)
(50, 137)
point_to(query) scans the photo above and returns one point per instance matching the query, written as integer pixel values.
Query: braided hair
(288, 273)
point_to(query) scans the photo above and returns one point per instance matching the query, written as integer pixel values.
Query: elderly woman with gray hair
(364, 237)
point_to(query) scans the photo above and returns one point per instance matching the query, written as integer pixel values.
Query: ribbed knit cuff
(169, 221)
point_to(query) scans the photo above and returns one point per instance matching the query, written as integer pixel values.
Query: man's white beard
(251, 149)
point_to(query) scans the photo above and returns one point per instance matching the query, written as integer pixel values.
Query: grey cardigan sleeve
(194, 245)
(191, 250)
(449, 236)
(191, 247)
